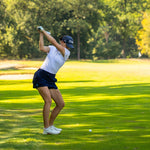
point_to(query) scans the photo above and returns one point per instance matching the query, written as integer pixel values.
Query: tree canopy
(101, 29)
(143, 38)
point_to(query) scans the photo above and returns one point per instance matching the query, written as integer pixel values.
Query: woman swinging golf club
(44, 78)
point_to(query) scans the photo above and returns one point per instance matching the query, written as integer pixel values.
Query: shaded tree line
(101, 29)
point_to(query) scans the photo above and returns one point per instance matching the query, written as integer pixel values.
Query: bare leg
(45, 93)
(57, 97)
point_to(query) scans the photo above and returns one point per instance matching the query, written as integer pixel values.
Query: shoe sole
(45, 133)
(59, 130)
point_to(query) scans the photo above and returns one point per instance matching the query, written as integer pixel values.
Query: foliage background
(101, 29)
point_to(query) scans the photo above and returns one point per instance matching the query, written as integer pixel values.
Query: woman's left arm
(54, 42)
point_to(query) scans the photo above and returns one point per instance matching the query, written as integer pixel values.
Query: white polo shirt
(54, 60)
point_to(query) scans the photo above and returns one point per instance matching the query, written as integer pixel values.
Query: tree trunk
(106, 36)
(124, 40)
(124, 48)
(78, 48)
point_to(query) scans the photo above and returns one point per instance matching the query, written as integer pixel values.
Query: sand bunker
(16, 77)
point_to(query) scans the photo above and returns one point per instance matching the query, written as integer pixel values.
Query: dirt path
(17, 76)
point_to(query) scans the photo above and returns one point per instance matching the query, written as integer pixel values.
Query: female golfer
(44, 78)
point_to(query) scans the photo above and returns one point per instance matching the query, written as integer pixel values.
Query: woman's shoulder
(52, 47)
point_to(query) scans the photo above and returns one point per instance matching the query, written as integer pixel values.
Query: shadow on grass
(14, 82)
(76, 81)
(17, 94)
(118, 116)
(114, 90)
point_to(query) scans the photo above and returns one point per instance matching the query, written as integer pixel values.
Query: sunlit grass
(109, 97)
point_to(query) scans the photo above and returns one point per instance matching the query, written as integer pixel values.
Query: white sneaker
(57, 129)
(50, 130)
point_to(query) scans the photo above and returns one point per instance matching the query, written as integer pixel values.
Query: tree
(79, 22)
(128, 14)
(143, 38)
(104, 44)
(109, 23)
(6, 31)
(17, 31)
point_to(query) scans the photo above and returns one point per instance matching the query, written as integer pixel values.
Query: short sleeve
(67, 54)
(50, 48)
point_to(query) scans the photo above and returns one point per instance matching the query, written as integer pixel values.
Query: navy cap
(68, 40)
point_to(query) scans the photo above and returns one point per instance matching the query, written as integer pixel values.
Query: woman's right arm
(54, 42)
(41, 44)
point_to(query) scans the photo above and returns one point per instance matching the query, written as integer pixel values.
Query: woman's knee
(48, 102)
(61, 105)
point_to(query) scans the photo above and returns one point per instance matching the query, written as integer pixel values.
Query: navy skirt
(43, 78)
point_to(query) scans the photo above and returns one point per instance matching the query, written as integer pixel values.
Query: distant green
(111, 98)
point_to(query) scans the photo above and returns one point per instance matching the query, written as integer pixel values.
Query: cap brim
(69, 45)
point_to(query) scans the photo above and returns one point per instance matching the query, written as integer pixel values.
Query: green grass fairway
(110, 97)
